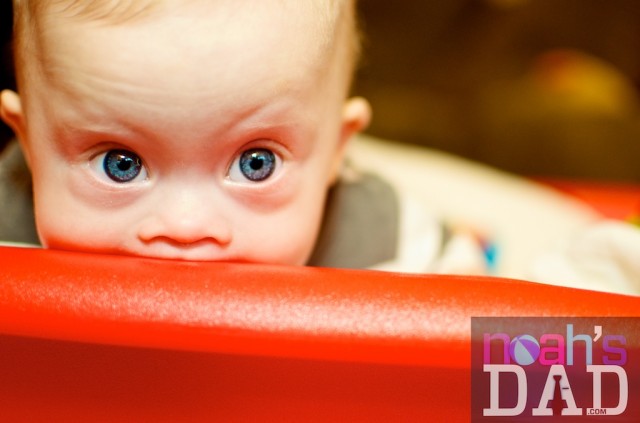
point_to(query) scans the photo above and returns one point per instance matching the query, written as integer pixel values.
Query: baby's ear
(356, 115)
(11, 112)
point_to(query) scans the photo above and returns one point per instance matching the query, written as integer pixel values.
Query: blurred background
(535, 87)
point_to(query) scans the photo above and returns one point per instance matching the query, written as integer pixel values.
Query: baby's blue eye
(257, 164)
(122, 165)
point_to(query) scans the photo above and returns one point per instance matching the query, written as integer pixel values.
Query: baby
(206, 130)
(188, 129)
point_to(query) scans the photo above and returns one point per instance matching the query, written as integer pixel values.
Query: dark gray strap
(361, 224)
(17, 223)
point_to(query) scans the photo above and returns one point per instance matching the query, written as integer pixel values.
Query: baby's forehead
(115, 11)
(318, 23)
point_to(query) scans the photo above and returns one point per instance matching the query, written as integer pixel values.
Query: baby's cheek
(60, 226)
(289, 251)
(57, 231)
(91, 193)
(298, 240)
(80, 231)
(64, 217)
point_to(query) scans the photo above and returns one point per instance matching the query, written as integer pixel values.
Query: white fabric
(422, 247)
(542, 235)
(603, 257)
(524, 218)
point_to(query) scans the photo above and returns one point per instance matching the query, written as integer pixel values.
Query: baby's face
(199, 130)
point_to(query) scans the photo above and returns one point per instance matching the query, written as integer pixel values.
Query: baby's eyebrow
(89, 128)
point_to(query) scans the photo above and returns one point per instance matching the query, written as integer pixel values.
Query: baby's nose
(185, 220)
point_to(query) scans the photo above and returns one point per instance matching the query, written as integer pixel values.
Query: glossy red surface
(107, 338)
